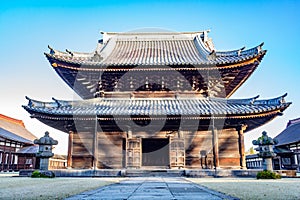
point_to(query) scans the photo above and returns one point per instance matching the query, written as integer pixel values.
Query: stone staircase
(154, 173)
(149, 172)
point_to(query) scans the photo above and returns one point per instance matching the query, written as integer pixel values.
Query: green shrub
(268, 175)
(36, 174)
(42, 174)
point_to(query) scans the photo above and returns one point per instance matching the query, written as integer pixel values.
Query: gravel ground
(59, 188)
(47, 188)
(249, 188)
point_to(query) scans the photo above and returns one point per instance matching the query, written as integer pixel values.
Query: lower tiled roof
(158, 106)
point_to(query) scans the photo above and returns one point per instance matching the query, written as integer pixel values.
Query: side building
(14, 140)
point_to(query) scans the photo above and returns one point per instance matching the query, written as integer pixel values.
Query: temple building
(156, 99)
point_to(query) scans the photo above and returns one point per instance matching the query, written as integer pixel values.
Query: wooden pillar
(1, 161)
(70, 150)
(95, 146)
(297, 157)
(215, 144)
(241, 129)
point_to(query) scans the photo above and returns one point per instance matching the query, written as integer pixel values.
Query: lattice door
(133, 152)
(177, 153)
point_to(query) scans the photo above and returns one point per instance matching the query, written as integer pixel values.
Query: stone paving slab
(152, 188)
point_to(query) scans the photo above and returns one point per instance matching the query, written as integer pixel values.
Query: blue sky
(27, 27)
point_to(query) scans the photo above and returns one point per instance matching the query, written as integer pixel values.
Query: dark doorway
(124, 152)
(155, 152)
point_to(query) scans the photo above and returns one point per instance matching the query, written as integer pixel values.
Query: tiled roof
(159, 106)
(289, 135)
(191, 54)
(293, 121)
(155, 49)
(15, 130)
(29, 150)
(14, 137)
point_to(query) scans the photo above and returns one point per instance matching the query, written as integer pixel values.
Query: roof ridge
(293, 121)
(12, 120)
(154, 32)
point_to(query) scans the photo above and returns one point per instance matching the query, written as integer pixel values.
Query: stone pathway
(152, 188)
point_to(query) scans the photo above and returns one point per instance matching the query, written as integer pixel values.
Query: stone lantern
(45, 150)
(265, 149)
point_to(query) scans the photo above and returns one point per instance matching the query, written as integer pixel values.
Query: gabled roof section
(291, 134)
(14, 129)
(131, 49)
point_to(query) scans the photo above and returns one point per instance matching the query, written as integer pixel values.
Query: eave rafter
(230, 77)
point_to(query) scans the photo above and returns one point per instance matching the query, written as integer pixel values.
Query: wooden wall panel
(195, 143)
(229, 149)
(229, 162)
(82, 162)
(110, 150)
(201, 141)
(82, 157)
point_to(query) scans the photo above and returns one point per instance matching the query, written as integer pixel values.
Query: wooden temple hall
(158, 100)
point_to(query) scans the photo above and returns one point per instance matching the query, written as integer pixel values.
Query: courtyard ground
(47, 188)
(251, 188)
(60, 188)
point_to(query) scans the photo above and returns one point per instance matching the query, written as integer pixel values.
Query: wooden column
(241, 129)
(70, 150)
(297, 156)
(95, 146)
(215, 145)
(1, 164)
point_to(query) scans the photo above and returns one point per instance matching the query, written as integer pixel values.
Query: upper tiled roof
(15, 130)
(127, 49)
(159, 106)
(192, 54)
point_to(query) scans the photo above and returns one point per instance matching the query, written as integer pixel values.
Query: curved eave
(252, 121)
(46, 112)
(39, 113)
(102, 66)
(246, 74)
(217, 107)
